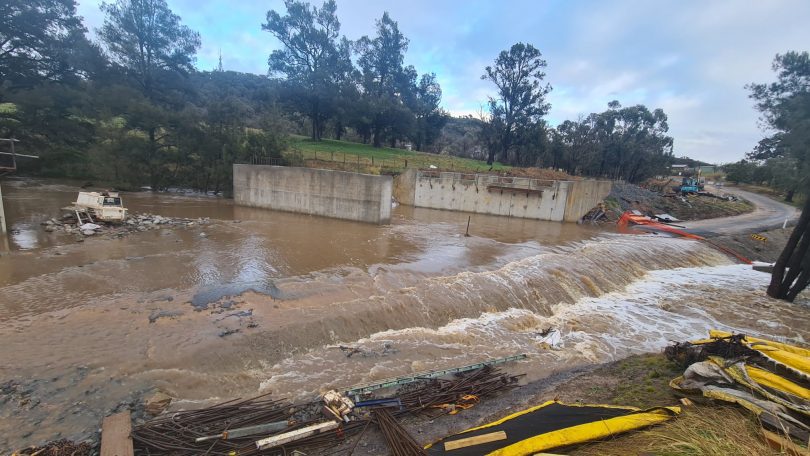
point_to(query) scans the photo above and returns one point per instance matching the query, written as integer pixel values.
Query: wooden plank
(115, 435)
(292, 436)
(778, 442)
(477, 440)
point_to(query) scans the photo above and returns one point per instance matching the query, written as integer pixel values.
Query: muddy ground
(753, 246)
(690, 207)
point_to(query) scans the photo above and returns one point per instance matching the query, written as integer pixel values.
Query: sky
(692, 58)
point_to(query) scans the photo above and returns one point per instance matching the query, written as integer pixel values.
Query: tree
(314, 59)
(620, 143)
(430, 119)
(785, 109)
(521, 100)
(147, 39)
(384, 78)
(37, 41)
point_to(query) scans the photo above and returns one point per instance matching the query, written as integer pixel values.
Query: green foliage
(147, 39)
(39, 40)
(521, 100)
(621, 143)
(785, 109)
(314, 59)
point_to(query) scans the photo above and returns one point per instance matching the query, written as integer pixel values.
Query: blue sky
(691, 58)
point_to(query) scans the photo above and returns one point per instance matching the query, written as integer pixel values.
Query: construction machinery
(689, 185)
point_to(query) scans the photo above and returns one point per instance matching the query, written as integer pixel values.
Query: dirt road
(767, 214)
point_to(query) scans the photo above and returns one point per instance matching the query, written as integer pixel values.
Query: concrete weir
(328, 193)
(507, 196)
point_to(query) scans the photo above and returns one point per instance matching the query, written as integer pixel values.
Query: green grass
(384, 158)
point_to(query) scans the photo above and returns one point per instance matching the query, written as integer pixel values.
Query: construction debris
(178, 433)
(396, 437)
(61, 447)
(70, 224)
(298, 434)
(771, 379)
(276, 427)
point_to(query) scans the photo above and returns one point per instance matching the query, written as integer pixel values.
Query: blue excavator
(689, 185)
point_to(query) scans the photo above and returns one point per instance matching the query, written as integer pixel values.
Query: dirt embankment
(758, 246)
(625, 197)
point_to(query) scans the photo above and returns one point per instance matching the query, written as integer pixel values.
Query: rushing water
(91, 327)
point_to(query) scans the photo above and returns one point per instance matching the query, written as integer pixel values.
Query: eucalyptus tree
(150, 44)
(38, 41)
(518, 74)
(785, 108)
(384, 78)
(429, 117)
(315, 60)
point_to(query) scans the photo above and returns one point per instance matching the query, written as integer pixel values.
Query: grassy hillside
(329, 153)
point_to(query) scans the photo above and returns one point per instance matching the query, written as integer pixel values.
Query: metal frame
(357, 391)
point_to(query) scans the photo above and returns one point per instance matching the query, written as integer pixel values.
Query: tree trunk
(151, 157)
(788, 284)
(789, 196)
(377, 141)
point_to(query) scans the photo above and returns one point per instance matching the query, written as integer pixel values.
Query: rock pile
(68, 224)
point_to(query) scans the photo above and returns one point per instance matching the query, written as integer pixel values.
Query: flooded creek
(256, 300)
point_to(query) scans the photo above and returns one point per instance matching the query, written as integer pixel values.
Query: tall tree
(430, 119)
(148, 41)
(37, 40)
(314, 59)
(384, 77)
(521, 100)
(785, 109)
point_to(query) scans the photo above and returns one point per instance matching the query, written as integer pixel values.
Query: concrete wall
(336, 194)
(512, 197)
(404, 185)
(583, 196)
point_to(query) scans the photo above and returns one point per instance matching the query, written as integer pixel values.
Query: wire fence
(349, 160)
(333, 160)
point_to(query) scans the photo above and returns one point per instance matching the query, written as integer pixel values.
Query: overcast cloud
(691, 58)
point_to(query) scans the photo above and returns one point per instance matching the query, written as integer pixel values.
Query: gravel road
(768, 213)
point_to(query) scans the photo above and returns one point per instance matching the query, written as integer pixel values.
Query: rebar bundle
(176, 433)
(220, 430)
(463, 390)
(396, 437)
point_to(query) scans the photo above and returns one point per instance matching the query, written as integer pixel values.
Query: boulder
(157, 403)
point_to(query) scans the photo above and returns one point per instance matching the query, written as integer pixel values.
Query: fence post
(332, 156)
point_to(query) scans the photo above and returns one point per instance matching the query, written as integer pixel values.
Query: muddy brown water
(259, 303)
